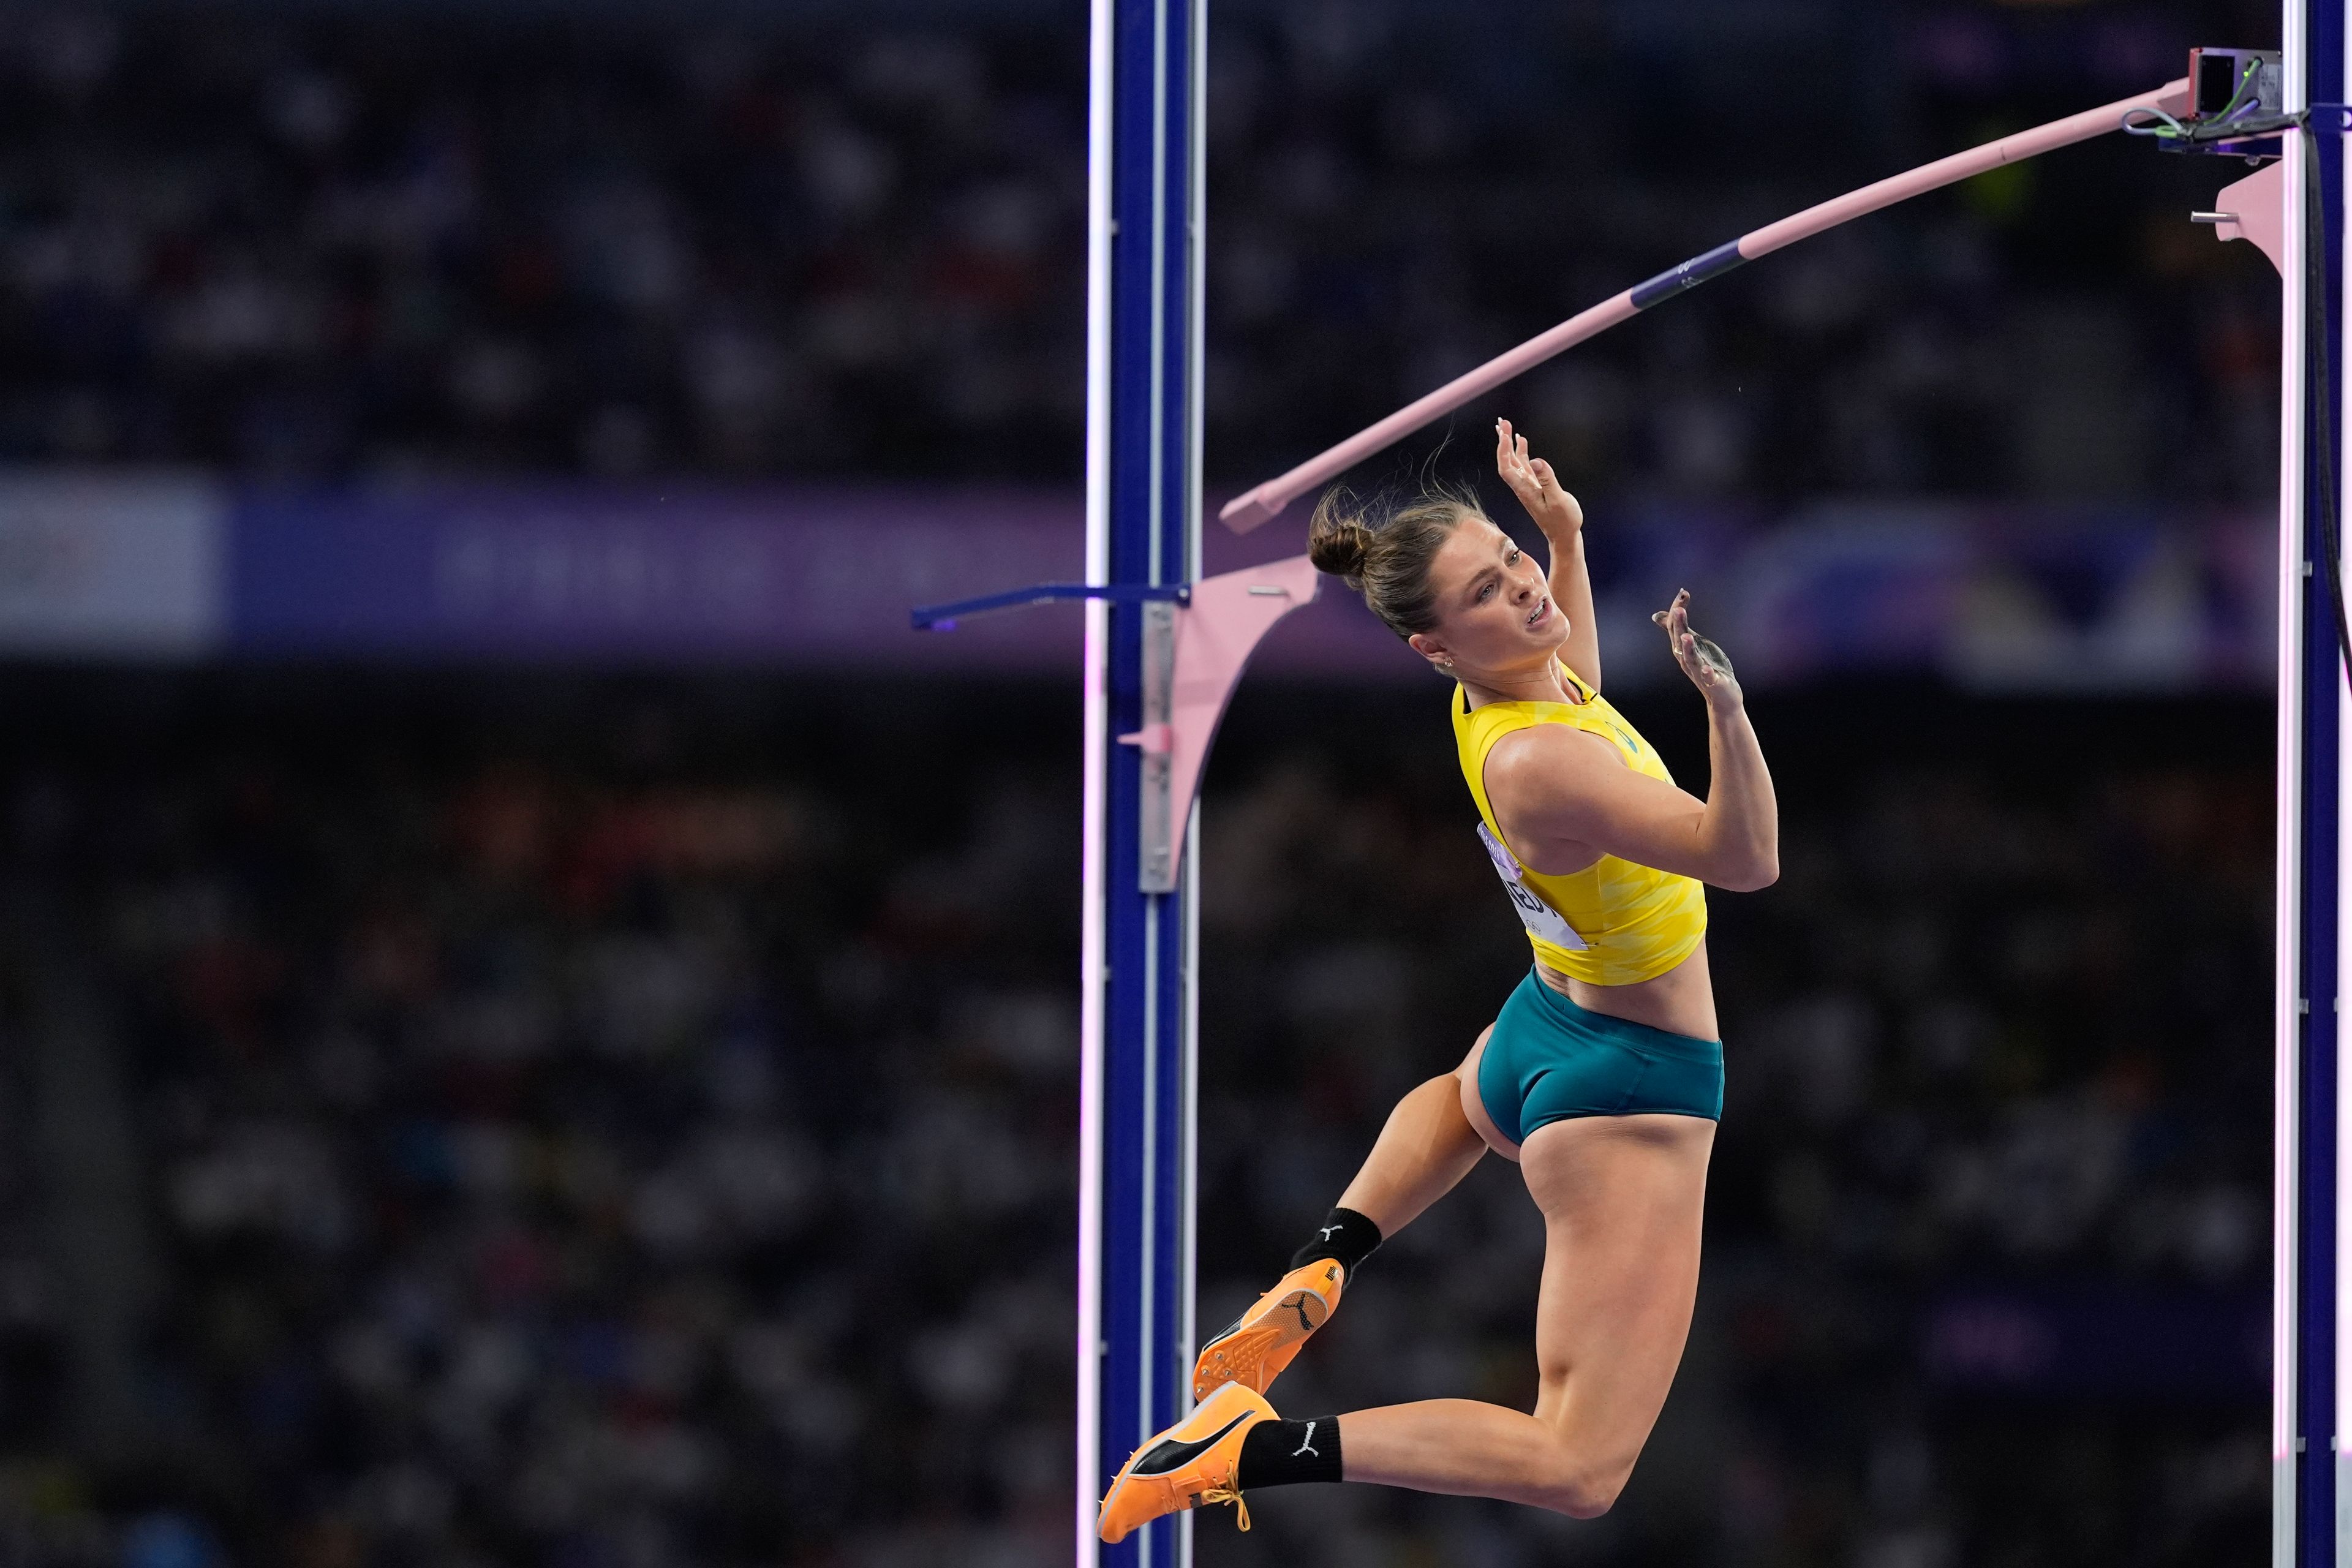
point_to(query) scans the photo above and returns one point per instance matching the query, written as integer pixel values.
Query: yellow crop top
(1614, 922)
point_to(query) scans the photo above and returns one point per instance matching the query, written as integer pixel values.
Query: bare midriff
(1681, 1001)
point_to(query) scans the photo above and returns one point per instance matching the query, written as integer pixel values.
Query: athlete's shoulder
(1551, 754)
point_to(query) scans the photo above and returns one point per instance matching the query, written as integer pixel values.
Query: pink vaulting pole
(1246, 511)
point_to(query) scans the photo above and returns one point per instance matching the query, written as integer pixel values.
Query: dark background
(311, 241)
(482, 1114)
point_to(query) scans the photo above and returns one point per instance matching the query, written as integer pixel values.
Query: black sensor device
(2218, 76)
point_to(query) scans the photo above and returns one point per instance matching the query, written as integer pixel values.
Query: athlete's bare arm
(1561, 518)
(1564, 798)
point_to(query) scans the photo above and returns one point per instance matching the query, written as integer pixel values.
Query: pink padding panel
(1214, 638)
(2260, 202)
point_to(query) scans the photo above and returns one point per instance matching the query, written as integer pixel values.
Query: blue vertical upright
(2309, 1520)
(1142, 528)
(2321, 691)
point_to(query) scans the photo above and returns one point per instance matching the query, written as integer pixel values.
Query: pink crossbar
(1246, 511)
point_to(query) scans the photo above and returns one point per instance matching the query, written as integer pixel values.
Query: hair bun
(1337, 543)
(1385, 550)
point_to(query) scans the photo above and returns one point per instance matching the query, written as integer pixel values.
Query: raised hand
(1532, 481)
(1708, 666)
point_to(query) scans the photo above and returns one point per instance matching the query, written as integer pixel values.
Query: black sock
(1345, 1235)
(1283, 1453)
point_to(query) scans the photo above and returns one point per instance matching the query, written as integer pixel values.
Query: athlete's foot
(1192, 1463)
(1262, 1341)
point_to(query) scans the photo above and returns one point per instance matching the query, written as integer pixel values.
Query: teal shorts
(1549, 1059)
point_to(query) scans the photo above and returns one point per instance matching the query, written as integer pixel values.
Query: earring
(1446, 664)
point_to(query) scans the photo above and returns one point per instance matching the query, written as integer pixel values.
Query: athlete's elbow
(1752, 875)
(1584, 1494)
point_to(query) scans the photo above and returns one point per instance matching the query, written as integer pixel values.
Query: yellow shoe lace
(1225, 1494)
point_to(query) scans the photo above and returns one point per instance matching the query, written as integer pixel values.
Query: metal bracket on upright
(1193, 659)
(1196, 638)
(1157, 742)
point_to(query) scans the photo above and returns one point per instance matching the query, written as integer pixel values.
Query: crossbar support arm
(944, 617)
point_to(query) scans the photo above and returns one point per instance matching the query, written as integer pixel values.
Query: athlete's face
(1493, 606)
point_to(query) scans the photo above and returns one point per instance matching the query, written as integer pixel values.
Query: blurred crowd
(542, 1166)
(307, 244)
(624, 1143)
(633, 1126)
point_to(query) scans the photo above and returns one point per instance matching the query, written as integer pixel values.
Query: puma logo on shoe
(1306, 1443)
(1173, 1454)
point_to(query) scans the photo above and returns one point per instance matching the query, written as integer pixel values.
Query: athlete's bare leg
(1622, 1198)
(1426, 1148)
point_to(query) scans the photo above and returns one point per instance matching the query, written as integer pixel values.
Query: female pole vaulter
(1601, 1077)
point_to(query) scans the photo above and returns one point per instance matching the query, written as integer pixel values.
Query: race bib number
(1540, 918)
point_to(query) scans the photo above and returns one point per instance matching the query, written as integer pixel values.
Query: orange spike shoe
(1192, 1463)
(1263, 1339)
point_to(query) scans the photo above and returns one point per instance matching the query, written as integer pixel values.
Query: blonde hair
(1385, 550)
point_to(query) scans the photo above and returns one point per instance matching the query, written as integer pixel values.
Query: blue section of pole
(1145, 1362)
(1688, 275)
